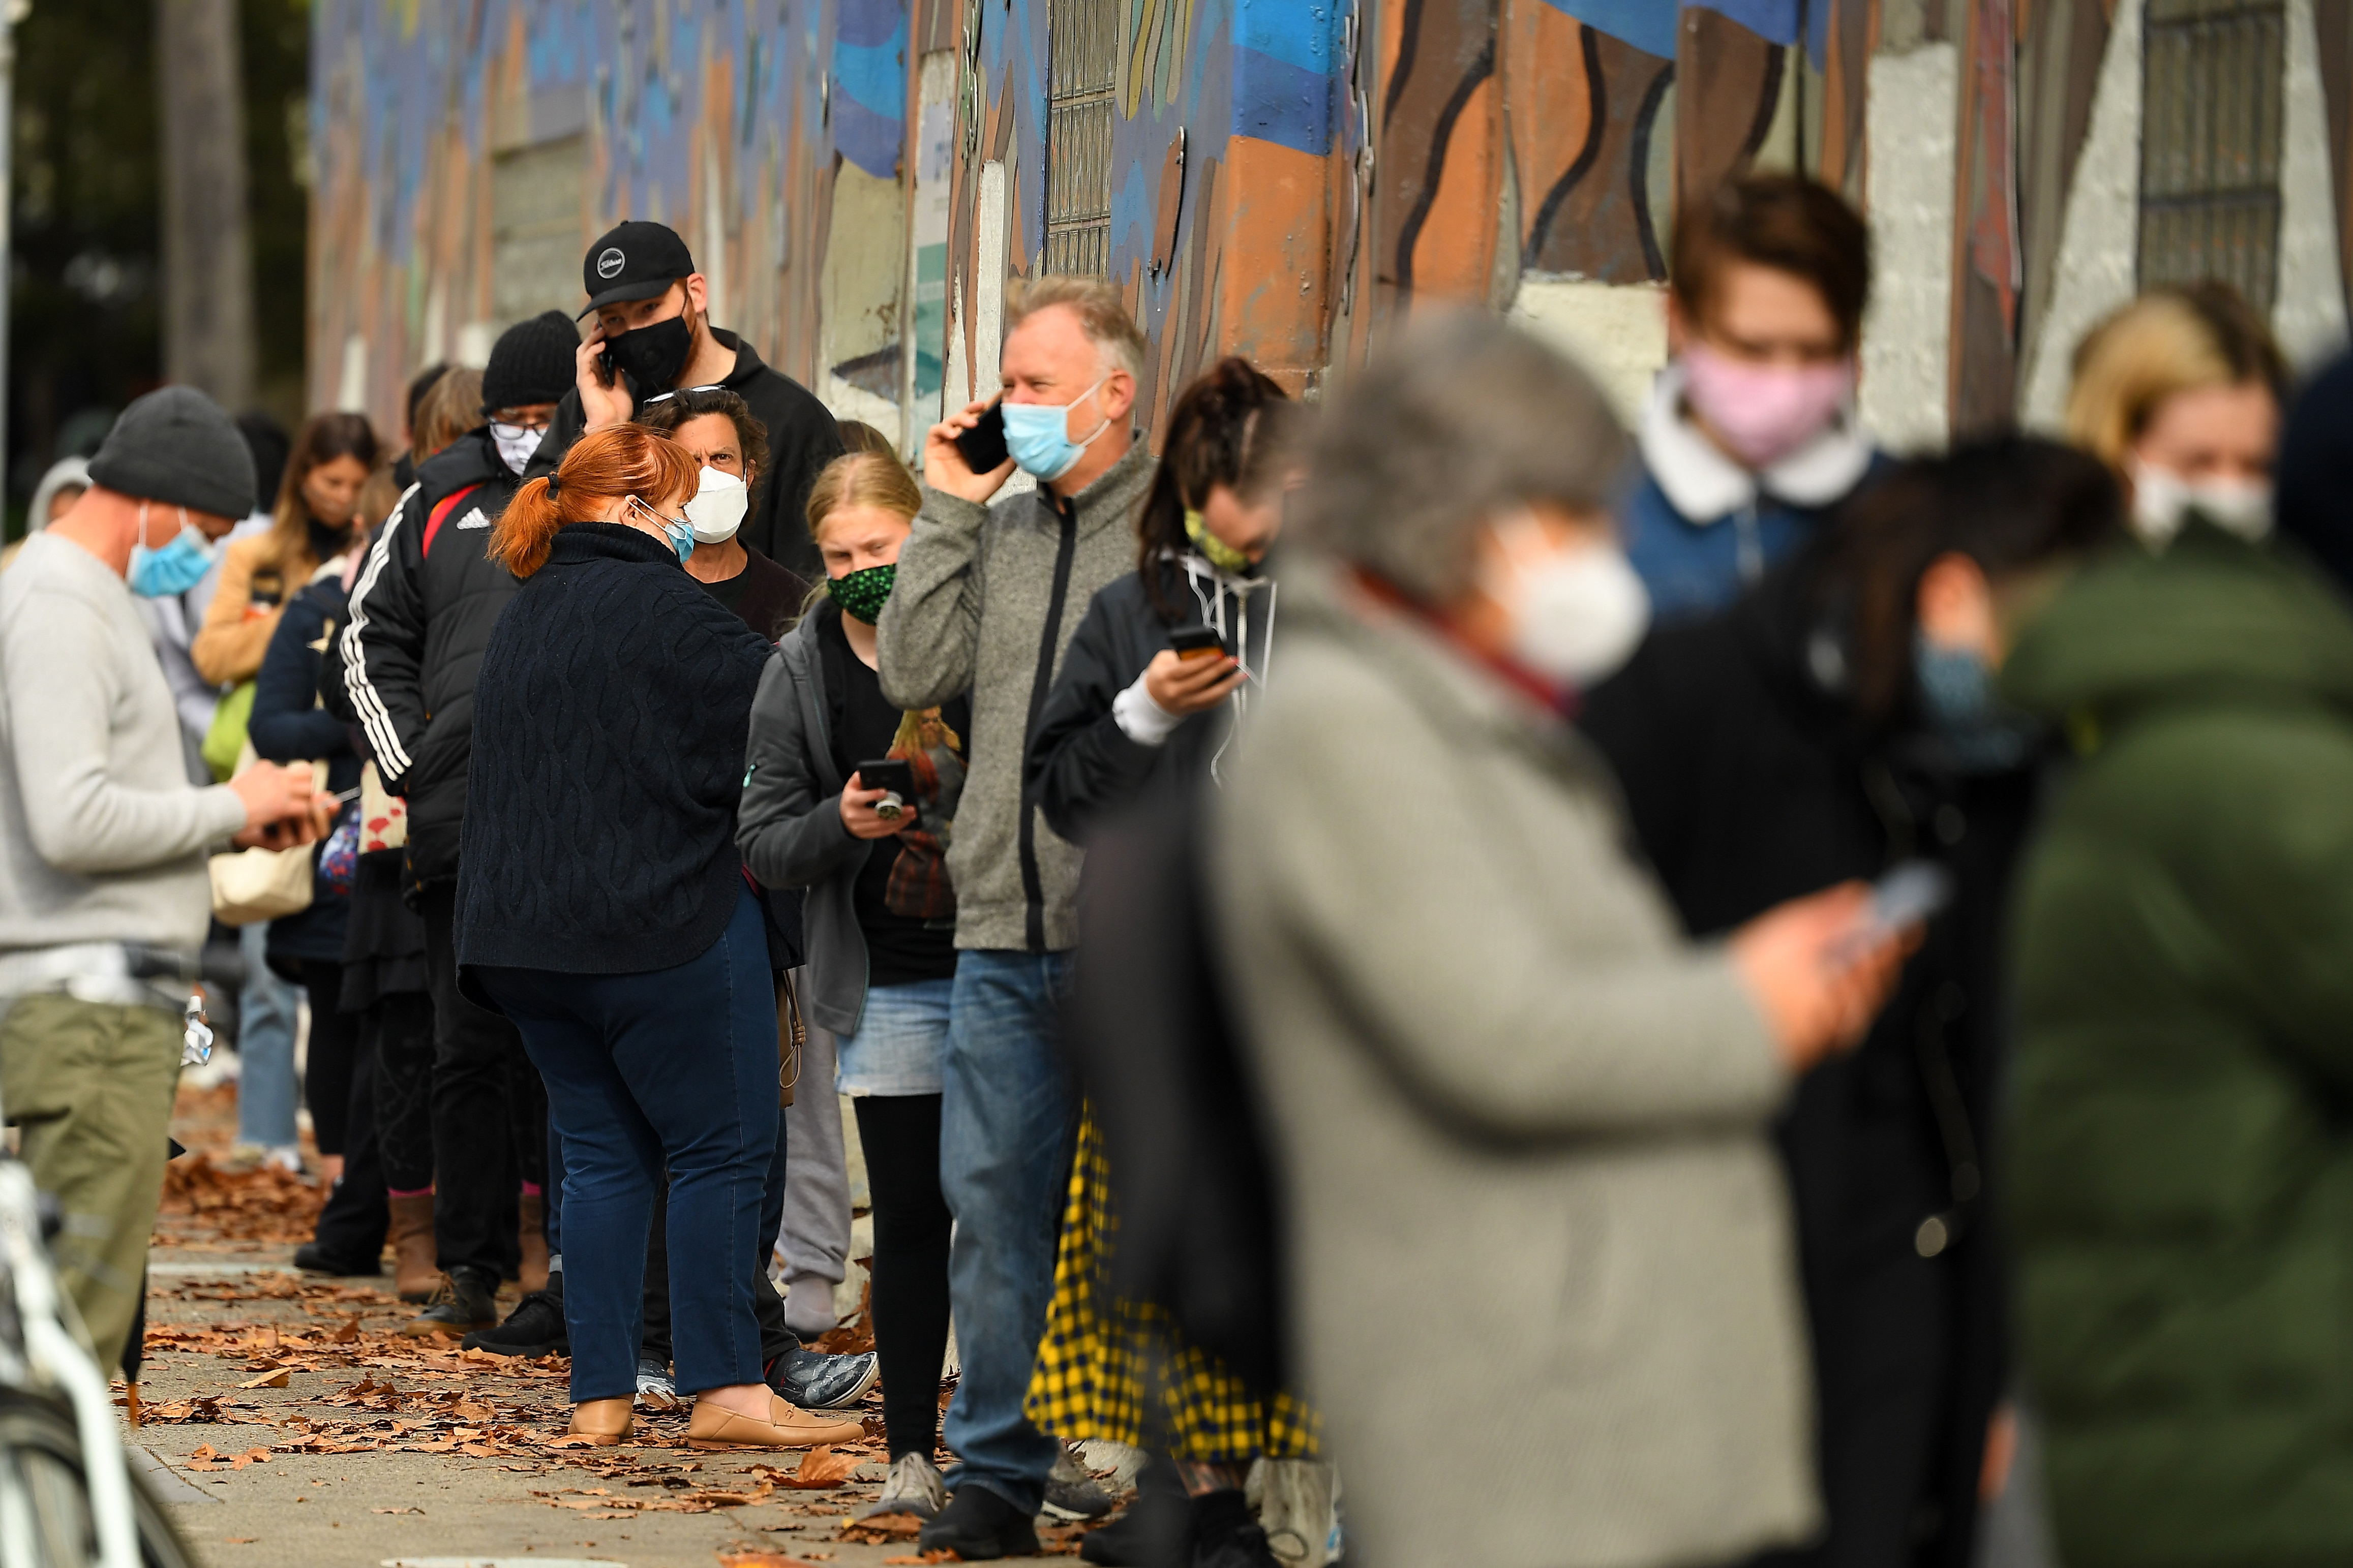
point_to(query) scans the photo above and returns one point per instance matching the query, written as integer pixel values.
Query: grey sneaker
(913, 1487)
(655, 1389)
(1072, 1493)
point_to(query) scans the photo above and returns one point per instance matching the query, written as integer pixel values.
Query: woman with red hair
(602, 906)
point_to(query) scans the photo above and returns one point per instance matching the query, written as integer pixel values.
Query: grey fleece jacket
(102, 838)
(986, 599)
(789, 826)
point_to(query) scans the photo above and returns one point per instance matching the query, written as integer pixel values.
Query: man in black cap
(653, 335)
(421, 617)
(103, 837)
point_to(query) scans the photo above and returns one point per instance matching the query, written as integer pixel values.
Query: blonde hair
(863, 478)
(2169, 340)
(602, 466)
(1103, 315)
(450, 407)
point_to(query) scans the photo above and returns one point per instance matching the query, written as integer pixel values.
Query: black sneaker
(811, 1380)
(465, 1302)
(312, 1259)
(535, 1328)
(978, 1526)
(1227, 1534)
(1156, 1531)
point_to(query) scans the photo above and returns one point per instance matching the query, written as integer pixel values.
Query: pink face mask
(1764, 411)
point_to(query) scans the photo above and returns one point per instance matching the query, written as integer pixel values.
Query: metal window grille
(2209, 153)
(1083, 42)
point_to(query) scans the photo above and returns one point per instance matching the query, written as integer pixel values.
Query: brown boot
(414, 1273)
(532, 1209)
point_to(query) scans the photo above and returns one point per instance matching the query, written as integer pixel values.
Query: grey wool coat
(1502, 1088)
(986, 599)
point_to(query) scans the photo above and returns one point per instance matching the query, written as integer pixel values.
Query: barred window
(2210, 149)
(1083, 41)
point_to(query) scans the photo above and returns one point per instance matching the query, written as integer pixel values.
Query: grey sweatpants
(815, 1237)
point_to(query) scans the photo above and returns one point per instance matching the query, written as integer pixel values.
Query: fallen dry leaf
(266, 1379)
(937, 1554)
(396, 1510)
(821, 1468)
(760, 1560)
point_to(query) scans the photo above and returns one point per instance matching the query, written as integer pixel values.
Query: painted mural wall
(860, 179)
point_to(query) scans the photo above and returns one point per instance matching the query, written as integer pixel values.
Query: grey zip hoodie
(985, 599)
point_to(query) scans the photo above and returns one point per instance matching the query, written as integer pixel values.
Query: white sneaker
(286, 1157)
(656, 1388)
(913, 1487)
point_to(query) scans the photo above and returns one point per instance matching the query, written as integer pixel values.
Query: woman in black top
(602, 906)
(1840, 719)
(880, 918)
(1130, 718)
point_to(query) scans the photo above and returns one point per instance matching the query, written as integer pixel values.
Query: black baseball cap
(636, 261)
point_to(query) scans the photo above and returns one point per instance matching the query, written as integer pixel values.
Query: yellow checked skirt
(1117, 1369)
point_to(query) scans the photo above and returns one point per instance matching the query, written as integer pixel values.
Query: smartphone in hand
(1909, 895)
(894, 774)
(982, 447)
(1196, 642)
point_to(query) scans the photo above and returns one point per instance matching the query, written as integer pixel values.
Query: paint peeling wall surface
(1283, 179)
(722, 118)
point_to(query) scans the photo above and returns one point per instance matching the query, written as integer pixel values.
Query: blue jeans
(265, 1047)
(1005, 1126)
(676, 1066)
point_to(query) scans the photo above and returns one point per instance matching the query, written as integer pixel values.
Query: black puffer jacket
(1082, 764)
(616, 705)
(421, 613)
(1750, 780)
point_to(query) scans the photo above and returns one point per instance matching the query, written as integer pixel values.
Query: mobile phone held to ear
(893, 773)
(1195, 642)
(982, 447)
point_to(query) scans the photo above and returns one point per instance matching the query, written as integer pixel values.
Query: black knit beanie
(530, 362)
(177, 447)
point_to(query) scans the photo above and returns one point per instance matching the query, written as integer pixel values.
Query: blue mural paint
(1648, 24)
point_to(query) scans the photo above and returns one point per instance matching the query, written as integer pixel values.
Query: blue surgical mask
(1038, 435)
(1959, 698)
(177, 566)
(677, 530)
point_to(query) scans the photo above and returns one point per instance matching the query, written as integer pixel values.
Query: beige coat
(1542, 1282)
(235, 633)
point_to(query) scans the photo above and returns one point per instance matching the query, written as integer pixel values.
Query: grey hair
(1461, 420)
(1102, 313)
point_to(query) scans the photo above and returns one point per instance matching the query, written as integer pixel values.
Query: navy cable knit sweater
(610, 721)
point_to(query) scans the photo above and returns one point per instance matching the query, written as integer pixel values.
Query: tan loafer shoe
(787, 1426)
(604, 1421)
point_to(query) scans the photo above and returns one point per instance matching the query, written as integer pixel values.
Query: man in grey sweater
(102, 837)
(985, 599)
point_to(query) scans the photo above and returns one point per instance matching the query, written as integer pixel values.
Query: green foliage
(85, 305)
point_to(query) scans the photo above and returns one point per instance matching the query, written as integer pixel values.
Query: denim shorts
(900, 1039)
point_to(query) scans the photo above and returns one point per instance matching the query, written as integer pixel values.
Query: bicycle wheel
(45, 1519)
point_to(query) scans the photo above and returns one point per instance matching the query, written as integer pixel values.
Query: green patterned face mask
(1217, 552)
(862, 595)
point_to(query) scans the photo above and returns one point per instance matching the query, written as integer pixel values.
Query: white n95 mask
(1577, 613)
(716, 510)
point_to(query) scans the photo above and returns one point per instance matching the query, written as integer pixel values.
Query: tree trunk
(207, 249)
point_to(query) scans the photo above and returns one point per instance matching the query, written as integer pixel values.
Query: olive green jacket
(2181, 1148)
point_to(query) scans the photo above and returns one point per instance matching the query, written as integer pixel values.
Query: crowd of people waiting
(1728, 974)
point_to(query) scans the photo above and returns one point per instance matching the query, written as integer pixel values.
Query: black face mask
(651, 356)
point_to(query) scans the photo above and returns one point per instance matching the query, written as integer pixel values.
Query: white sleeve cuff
(1142, 720)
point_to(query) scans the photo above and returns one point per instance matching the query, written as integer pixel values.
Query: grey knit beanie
(175, 445)
(533, 362)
